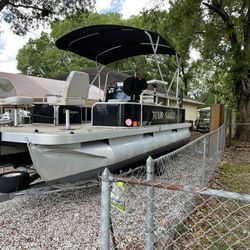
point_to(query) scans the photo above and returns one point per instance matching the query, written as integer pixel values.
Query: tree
(23, 15)
(234, 17)
(165, 23)
(40, 57)
(206, 84)
(220, 30)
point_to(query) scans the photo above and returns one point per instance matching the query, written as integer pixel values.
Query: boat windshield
(116, 93)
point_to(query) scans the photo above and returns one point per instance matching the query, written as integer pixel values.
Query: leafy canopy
(40, 57)
(24, 15)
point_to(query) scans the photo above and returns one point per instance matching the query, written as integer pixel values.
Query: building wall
(191, 111)
(191, 108)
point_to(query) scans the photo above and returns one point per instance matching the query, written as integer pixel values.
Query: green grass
(220, 223)
(236, 177)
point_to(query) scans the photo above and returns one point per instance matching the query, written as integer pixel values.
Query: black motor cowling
(133, 87)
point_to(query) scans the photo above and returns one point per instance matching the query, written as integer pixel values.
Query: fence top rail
(185, 188)
(239, 123)
(201, 138)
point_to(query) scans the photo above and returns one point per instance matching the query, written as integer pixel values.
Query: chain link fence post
(217, 145)
(105, 209)
(150, 205)
(204, 161)
(224, 137)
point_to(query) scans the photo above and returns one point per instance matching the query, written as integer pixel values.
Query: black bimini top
(110, 43)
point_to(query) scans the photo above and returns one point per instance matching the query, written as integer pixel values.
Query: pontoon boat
(72, 138)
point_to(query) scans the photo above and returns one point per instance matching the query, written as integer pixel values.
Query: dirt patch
(234, 170)
(237, 153)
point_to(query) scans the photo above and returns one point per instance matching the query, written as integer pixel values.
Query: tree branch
(199, 33)
(245, 87)
(246, 28)
(26, 6)
(243, 6)
(216, 7)
(184, 78)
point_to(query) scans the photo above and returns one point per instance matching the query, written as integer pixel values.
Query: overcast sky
(10, 43)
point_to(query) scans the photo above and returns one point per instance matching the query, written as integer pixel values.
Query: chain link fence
(168, 205)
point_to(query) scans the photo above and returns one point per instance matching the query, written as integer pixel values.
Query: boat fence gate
(168, 204)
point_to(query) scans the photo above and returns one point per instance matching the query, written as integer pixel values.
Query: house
(36, 87)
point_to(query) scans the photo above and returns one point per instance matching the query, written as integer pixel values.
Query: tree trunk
(243, 118)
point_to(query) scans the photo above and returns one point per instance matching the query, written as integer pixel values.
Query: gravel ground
(64, 220)
(71, 219)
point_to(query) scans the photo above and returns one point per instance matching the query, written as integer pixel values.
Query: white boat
(130, 123)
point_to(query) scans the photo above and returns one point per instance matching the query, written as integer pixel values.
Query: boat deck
(54, 135)
(48, 128)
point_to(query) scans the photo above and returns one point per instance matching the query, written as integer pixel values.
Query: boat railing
(155, 95)
(13, 103)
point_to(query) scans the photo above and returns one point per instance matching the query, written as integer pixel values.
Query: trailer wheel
(14, 181)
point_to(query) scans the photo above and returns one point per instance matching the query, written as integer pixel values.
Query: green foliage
(153, 20)
(184, 24)
(40, 56)
(80, 20)
(219, 31)
(24, 15)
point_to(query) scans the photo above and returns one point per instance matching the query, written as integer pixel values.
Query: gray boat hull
(80, 161)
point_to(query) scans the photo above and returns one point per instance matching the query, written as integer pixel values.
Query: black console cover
(43, 113)
(129, 114)
(74, 112)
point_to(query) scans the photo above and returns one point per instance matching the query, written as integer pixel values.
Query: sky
(10, 43)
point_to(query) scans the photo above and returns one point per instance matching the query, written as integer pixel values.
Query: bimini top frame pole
(154, 52)
(154, 48)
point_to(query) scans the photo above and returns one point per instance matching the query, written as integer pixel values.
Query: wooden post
(216, 120)
(216, 116)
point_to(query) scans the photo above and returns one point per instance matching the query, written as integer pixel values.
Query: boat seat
(18, 100)
(53, 99)
(148, 99)
(76, 90)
